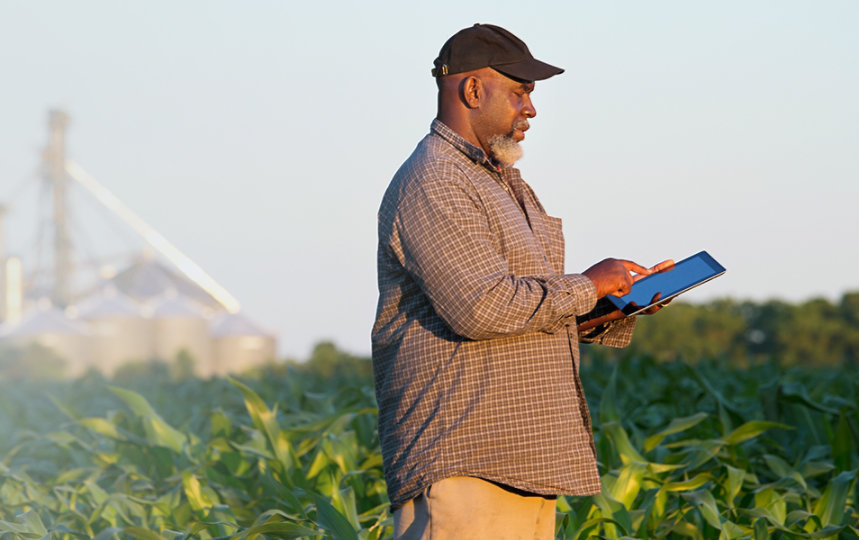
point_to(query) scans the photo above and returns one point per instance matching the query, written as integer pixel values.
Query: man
(482, 418)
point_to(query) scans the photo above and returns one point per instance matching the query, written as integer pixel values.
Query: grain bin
(179, 324)
(119, 331)
(240, 344)
(49, 327)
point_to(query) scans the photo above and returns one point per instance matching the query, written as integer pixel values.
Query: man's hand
(656, 307)
(667, 264)
(613, 276)
(661, 267)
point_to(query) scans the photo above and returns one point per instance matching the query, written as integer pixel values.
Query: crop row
(702, 452)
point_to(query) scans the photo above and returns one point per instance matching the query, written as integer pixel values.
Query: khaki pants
(465, 508)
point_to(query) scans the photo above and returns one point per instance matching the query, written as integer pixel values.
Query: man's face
(504, 115)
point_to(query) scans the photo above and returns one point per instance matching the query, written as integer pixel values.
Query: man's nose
(529, 110)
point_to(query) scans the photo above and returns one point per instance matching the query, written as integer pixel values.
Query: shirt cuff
(616, 334)
(572, 294)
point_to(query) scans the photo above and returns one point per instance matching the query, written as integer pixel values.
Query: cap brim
(528, 70)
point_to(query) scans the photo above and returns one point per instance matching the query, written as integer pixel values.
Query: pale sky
(259, 136)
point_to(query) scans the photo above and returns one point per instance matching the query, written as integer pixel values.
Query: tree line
(816, 332)
(813, 332)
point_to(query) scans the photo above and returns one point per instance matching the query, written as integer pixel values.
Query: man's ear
(471, 91)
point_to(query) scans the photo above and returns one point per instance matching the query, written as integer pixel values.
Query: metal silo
(119, 330)
(240, 344)
(51, 328)
(180, 324)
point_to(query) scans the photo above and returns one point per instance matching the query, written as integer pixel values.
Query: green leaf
(628, 483)
(706, 504)
(731, 530)
(16, 528)
(811, 469)
(688, 485)
(676, 426)
(333, 521)
(142, 534)
(30, 526)
(73, 476)
(843, 445)
(265, 420)
(720, 399)
(761, 529)
(795, 392)
(584, 531)
(281, 529)
(627, 453)
(830, 507)
(777, 465)
(611, 508)
(102, 427)
(350, 506)
(107, 534)
(773, 504)
(193, 492)
(752, 429)
(99, 496)
(733, 484)
(221, 424)
(158, 431)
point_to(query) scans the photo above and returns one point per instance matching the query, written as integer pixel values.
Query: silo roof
(47, 321)
(171, 306)
(109, 303)
(236, 324)
(147, 279)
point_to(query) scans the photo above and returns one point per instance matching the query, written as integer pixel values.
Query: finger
(634, 267)
(625, 286)
(659, 306)
(664, 265)
(655, 307)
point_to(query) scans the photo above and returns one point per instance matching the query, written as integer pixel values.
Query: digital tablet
(684, 275)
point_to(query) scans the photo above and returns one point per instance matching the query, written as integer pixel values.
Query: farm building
(157, 306)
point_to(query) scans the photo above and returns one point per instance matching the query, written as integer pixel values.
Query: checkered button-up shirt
(475, 344)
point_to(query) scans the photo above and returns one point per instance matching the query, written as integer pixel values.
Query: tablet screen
(683, 276)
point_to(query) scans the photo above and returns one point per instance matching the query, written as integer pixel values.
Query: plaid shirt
(475, 344)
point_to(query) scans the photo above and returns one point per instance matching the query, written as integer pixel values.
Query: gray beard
(505, 149)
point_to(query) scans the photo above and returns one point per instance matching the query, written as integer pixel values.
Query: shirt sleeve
(448, 247)
(613, 334)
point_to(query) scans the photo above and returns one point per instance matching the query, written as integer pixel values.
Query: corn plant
(697, 451)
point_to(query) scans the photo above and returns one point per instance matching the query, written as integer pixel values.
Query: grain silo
(180, 324)
(50, 328)
(147, 279)
(119, 331)
(239, 344)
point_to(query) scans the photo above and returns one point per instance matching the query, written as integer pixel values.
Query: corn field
(703, 451)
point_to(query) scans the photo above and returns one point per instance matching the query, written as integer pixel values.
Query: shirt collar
(474, 153)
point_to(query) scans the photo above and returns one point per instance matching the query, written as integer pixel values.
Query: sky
(259, 137)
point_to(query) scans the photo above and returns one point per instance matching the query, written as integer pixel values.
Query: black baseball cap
(487, 45)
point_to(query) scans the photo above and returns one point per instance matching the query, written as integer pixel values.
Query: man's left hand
(667, 264)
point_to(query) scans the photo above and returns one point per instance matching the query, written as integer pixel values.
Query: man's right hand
(613, 276)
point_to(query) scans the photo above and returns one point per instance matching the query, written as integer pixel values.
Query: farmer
(482, 418)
